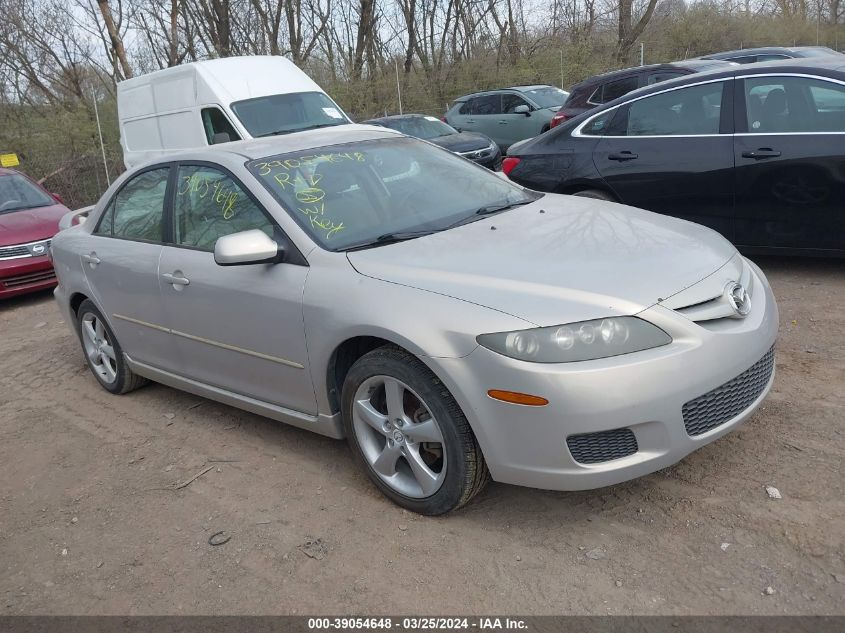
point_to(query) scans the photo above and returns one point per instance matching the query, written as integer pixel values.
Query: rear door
(790, 162)
(121, 265)
(239, 328)
(486, 113)
(672, 152)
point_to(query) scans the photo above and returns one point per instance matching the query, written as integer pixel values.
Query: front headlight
(585, 340)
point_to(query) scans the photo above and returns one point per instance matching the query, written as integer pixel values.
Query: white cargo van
(216, 101)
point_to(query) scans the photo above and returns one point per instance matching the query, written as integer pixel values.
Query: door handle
(763, 152)
(91, 259)
(176, 279)
(503, 122)
(623, 156)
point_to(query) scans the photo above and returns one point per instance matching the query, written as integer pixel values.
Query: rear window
(17, 193)
(286, 113)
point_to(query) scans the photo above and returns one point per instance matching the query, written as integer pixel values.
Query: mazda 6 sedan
(451, 325)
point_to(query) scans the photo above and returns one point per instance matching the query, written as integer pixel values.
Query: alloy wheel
(98, 348)
(399, 437)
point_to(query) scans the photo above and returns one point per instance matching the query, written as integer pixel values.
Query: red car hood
(30, 225)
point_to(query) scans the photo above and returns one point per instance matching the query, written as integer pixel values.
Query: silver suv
(507, 115)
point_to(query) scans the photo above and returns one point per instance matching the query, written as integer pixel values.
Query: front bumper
(643, 392)
(27, 274)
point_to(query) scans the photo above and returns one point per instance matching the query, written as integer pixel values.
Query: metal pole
(561, 70)
(398, 89)
(100, 133)
(642, 53)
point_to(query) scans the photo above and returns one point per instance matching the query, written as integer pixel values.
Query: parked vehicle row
(754, 152)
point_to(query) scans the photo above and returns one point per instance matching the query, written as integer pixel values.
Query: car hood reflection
(559, 259)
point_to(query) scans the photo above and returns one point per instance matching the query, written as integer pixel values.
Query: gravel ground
(89, 526)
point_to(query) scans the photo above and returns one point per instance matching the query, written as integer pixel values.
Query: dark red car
(29, 218)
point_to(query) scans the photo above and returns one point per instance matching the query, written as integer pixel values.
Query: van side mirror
(522, 109)
(247, 247)
(220, 137)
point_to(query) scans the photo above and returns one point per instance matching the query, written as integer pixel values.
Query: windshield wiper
(390, 238)
(300, 129)
(495, 208)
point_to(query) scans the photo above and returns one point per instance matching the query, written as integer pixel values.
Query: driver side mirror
(247, 247)
(522, 109)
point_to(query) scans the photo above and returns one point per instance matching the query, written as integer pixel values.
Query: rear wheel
(595, 193)
(103, 353)
(409, 434)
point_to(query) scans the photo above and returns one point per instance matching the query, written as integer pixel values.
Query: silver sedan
(453, 326)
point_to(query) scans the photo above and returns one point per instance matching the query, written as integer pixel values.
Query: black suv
(600, 89)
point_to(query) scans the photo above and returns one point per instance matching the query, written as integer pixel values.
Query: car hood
(462, 142)
(30, 225)
(557, 260)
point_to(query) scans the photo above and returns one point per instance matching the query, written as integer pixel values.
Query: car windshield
(547, 97)
(17, 193)
(374, 192)
(425, 127)
(286, 113)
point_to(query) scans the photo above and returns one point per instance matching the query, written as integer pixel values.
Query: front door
(672, 153)
(790, 163)
(122, 268)
(513, 126)
(239, 328)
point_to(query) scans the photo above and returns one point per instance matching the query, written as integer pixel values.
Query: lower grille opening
(723, 403)
(604, 446)
(31, 278)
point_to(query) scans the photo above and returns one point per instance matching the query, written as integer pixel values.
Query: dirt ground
(88, 526)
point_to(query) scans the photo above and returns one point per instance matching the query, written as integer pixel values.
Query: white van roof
(229, 79)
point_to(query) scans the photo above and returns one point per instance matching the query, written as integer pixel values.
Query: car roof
(824, 65)
(764, 50)
(624, 72)
(251, 149)
(511, 88)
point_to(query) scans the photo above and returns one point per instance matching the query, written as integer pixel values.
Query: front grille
(30, 278)
(13, 251)
(716, 407)
(23, 250)
(594, 448)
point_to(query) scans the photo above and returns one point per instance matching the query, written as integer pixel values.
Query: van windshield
(286, 113)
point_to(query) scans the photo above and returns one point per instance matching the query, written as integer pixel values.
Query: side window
(209, 205)
(487, 104)
(770, 58)
(616, 89)
(214, 122)
(794, 104)
(136, 211)
(511, 101)
(686, 111)
(600, 125)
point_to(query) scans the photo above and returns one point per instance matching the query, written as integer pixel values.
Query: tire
(595, 193)
(111, 371)
(427, 408)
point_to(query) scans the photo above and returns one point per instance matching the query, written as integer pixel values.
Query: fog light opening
(514, 397)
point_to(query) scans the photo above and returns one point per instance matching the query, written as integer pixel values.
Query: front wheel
(409, 434)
